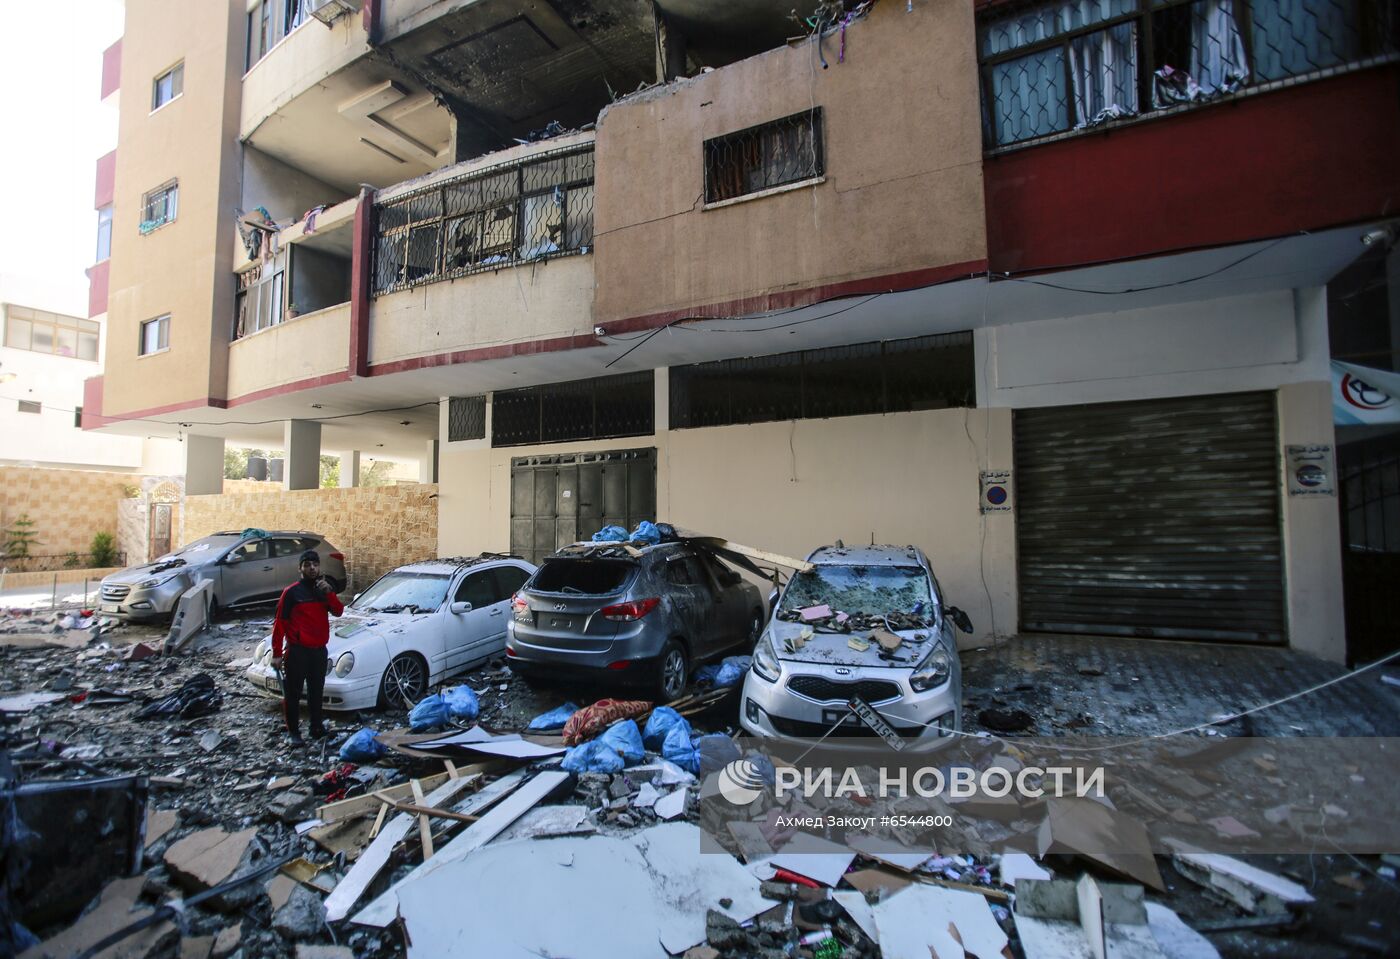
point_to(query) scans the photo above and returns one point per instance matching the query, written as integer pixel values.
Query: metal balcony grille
(522, 212)
(896, 376)
(1075, 64)
(762, 157)
(466, 418)
(606, 406)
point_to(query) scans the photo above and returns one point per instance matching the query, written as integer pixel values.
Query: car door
(247, 571)
(694, 602)
(731, 599)
(470, 631)
(285, 558)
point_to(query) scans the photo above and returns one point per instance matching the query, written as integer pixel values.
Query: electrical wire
(1142, 289)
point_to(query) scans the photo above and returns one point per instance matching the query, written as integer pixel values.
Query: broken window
(592, 576)
(895, 376)
(168, 86)
(763, 157)
(522, 212)
(872, 590)
(155, 335)
(160, 206)
(397, 591)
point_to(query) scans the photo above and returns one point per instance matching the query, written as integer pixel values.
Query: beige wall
(312, 345)
(793, 486)
(903, 187)
(181, 268)
(377, 528)
(305, 57)
(67, 506)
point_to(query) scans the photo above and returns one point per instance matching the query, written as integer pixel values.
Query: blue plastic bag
(461, 703)
(705, 675)
(594, 756)
(732, 670)
(716, 751)
(659, 723)
(678, 748)
(645, 533)
(610, 534)
(554, 719)
(362, 747)
(431, 711)
(626, 739)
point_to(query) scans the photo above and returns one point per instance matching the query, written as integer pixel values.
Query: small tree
(235, 463)
(104, 550)
(330, 472)
(20, 537)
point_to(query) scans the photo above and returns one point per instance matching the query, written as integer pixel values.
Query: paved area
(1118, 686)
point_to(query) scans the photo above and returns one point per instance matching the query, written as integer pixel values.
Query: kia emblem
(842, 671)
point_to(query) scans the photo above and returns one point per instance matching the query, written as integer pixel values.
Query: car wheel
(405, 682)
(672, 670)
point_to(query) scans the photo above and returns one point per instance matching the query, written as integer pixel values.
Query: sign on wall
(1310, 471)
(996, 491)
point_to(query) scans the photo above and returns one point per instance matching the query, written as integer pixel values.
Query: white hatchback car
(416, 626)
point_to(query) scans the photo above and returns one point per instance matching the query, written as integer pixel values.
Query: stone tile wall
(67, 506)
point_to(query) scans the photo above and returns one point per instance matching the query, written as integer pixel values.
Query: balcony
(111, 70)
(1062, 68)
(299, 352)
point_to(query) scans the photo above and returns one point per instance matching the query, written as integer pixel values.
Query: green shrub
(104, 550)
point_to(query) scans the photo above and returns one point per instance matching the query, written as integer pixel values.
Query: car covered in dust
(244, 568)
(415, 626)
(860, 640)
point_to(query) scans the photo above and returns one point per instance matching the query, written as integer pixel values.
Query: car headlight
(933, 671)
(154, 582)
(344, 664)
(765, 660)
(263, 653)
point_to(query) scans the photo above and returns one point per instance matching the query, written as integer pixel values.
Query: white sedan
(416, 626)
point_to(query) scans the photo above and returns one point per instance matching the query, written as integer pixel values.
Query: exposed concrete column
(204, 465)
(302, 442)
(350, 469)
(428, 465)
(670, 48)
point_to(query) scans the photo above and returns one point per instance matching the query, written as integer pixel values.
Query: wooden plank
(379, 820)
(425, 826)
(372, 860)
(423, 812)
(368, 804)
(382, 911)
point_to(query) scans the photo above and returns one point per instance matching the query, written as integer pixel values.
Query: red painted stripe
(310, 382)
(790, 299)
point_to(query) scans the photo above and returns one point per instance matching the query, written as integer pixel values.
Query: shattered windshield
(400, 592)
(199, 550)
(872, 590)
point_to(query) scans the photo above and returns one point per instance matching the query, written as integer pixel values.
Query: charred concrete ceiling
(508, 67)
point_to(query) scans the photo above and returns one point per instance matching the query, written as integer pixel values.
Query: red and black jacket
(302, 616)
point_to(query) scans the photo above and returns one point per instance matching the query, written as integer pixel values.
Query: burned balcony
(1072, 65)
(536, 208)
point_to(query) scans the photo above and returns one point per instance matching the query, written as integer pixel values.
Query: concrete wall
(284, 191)
(377, 528)
(309, 346)
(181, 268)
(902, 190)
(49, 437)
(302, 59)
(67, 506)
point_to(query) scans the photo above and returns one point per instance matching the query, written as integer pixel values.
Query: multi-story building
(1041, 287)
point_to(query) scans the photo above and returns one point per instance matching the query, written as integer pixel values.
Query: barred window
(894, 376)
(521, 212)
(1075, 64)
(607, 406)
(762, 157)
(160, 206)
(466, 418)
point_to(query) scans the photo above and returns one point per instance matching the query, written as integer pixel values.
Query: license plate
(560, 623)
(110, 608)
(875, 721)
(273, 684)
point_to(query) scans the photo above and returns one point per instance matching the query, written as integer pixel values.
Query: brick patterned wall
(378, 528)
(67, 506)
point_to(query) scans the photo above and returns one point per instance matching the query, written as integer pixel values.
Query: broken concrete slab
(1251, 888)
(27, 702)
(209, 857)
(115, 908)
(196, 947)
(158, 823)
(301, 915)
(191, 616)
(820, 860)
(226, 942)
(1105, 836)
(930, 920)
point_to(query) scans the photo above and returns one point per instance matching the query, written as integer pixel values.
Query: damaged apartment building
(1050, 289)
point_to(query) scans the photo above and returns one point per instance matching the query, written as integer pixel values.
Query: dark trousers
(303, 666)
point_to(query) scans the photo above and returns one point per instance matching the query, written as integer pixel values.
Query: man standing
(303, 623)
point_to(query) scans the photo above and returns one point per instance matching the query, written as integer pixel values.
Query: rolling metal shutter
(1156, 518)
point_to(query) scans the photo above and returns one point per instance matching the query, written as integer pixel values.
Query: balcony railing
(1075, 64)
(521, 212)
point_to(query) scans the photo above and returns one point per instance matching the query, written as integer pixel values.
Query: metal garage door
(560, 499)
(1156, 518)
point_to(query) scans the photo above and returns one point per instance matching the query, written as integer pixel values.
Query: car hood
(354, 627)
(833, 649)
(135, 574)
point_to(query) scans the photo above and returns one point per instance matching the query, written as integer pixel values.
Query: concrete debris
(1249, 887)
(301, 916)
(117, 906)
(196, 947)
(1059, 918)
(209, 857)
(226, 942)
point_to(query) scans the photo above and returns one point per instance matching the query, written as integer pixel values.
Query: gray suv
(638, 617)
(248, 567)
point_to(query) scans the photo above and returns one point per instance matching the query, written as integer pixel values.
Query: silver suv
(638, 617)
(248, 567)
(865, 624)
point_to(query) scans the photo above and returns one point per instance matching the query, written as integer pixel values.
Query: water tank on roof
(257, 467)
(274, 470)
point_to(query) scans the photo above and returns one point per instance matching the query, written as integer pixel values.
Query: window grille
(763, 157)
(160, 206)
(466, 418)
(600, 408)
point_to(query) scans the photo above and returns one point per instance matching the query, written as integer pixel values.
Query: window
(287, 547)
(763, 157)
(260, 302)
(78, 418)
(684, 571)
(104, 233)
(1074, 64)
(271, 20)
(25, 406)
(160, 206)
(477, 589)
(623, 405)
(168, 86)
(155, 335)
(509, 579)
(44, 332)
(466, 418)
(896, 376)
(250, 551)
(522, 212)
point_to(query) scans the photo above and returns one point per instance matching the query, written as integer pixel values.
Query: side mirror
(960, 619)
(458, 609)
(772, 601)
(232, 559)
(355, 599)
